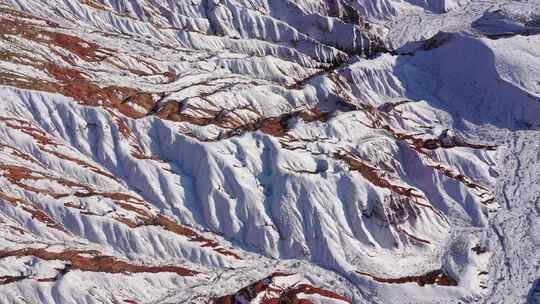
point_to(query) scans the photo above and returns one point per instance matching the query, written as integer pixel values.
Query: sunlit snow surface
(337, 151)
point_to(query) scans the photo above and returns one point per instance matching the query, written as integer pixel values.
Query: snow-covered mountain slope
(282, 151)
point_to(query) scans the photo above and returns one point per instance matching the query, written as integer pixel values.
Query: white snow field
(280, 151)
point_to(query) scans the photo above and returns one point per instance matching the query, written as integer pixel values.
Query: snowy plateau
(269, 151)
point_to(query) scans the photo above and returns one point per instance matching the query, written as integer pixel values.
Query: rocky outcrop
(272, 290)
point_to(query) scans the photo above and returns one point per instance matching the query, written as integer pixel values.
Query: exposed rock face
(277, 288)
(236, 151)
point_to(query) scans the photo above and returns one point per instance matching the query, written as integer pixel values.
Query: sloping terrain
(286, 151)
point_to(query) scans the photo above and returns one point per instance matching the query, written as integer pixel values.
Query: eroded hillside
(283, 151)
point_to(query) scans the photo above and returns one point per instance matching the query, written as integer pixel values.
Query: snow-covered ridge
(189, 151)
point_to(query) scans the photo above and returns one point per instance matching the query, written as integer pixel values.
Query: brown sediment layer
(292, 295)
(10, 279)
(277, 294)
(40, 136)
(370, 173)
(18, 153)
(80, 163)
(412, 236)
(36, 213)
(18, 175)
(172, 226)
(435, 277)
(93, 261)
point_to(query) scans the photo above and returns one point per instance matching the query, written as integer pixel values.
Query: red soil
(437, 277)
(277, 295)
(93, 261)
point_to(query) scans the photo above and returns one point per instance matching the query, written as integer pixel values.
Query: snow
(328, 199)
